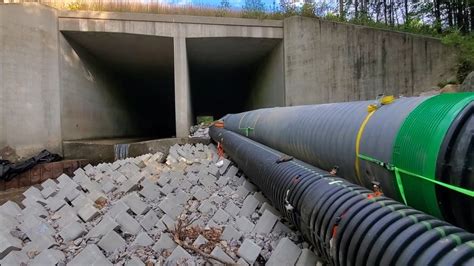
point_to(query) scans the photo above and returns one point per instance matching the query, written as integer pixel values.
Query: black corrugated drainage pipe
(347, 224)
(418, 150)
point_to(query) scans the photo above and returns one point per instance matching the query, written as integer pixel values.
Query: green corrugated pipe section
(417, 147)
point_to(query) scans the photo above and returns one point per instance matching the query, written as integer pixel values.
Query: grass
(152, 6)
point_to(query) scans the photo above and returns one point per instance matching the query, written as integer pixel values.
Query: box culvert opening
(128, 89)
(226, 74)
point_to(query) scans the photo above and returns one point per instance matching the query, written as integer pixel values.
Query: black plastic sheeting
(345, 223)
(9, 170)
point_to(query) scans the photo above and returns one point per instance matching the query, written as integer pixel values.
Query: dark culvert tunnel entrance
(136, 77)
(228, 75)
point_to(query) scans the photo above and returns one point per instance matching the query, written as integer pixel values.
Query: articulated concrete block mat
(142, 211)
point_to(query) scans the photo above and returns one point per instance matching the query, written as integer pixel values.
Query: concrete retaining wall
(334, 62)
(29, 83)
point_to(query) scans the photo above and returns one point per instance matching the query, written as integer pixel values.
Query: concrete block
(7, 223)
(164, 243)
(227, 191)
(95, 195)
(208, 181)
(286, 253)
(232, 171)
(185, 185)
(193, 178)
(222, 181)
(249, 186)
(90, 255)
(150, 191)
(267, 206)
(32, 192)
(88, 212)
(260, 197)
(48, 192)
(242, 192)
(105, 225)
(249, 251)
(213, 170)
(142, 240)
(281, 228)
(33, 227)
(244, 225)
(219, 253)
(79, 171)
(265, 223)
(200, 240)
(72, 231)
(207, 207)
(134, 261)
(160, 225)
(232, 209)
(130, 185)
(216, 199)
(164, 179)
(167, 189)
(136, 205)
(168, 222)
(8, 243)
(48, 257)
(35, 209)
(80, 201)
(118, 208)
(179, 256)
(249, 206)
(111, 242)
(171, 208)
(49, 183)
(128, 223)
(238, 180)
(64, 180)
(107, 185)
(225, 165)
(10, 208)
(242, 262)
(230, 233)
(118, 177)
(182, 197)
(66, 215)
(149, 220)
(307, 257)
(220, 217)
(15, 258)
(41, 242)
(212, 224)
(55, 204)
(201, 194)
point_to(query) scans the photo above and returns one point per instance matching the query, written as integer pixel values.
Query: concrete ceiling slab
(128, 53)
(228, 53)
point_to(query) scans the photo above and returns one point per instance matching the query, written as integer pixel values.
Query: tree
(253, 8)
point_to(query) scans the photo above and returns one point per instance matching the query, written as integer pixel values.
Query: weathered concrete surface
(334, 62)
(169, 25)
(97, 151)
(29, 83)
(268, 88)
(92, 105)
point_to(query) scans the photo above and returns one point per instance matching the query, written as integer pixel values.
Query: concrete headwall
(268, 89)
(333, 62)
(29, 83)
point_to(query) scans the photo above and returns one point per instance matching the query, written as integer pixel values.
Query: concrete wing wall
(29, 83)
(334, 62)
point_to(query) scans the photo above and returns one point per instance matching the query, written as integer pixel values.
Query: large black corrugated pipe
(347, 224)
(418, 150)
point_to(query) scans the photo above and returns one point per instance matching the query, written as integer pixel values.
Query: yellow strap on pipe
(371, 111)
